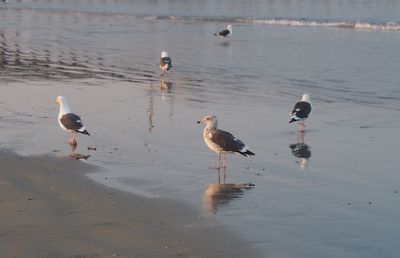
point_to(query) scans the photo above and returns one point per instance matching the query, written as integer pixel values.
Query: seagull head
(306, 98)
(209, 121)
(164, 54)
(60, 100)
(229, 27)
(64, 108)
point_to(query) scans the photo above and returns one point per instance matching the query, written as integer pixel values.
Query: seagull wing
(301, 110)
(227, 141)
(73, 122)
(224, 33)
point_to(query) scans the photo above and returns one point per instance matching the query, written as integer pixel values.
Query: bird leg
(302, 126)
(73, 148)
(73, 141)
(225, 162)
(218, 161)
(224, 175)
(219, 176)
(302, 137)
(163, 71)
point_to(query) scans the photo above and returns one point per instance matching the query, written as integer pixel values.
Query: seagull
(301, 111)
(221, 142)
(165, 62)
(225, 33)
(68, 121)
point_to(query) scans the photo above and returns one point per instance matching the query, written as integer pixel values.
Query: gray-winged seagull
(165, 62)
(68, 121)
(301, 111)
(225, 33)
(221, 142)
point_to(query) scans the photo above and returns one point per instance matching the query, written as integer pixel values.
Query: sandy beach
(50, 209)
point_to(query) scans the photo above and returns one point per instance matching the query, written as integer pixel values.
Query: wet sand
(332, 192)
(50, 209)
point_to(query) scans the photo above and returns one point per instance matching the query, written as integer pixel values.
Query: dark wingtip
(292, 120)
(250, 153)
(247, 153)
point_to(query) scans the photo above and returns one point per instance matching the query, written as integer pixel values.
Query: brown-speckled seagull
(222, 142)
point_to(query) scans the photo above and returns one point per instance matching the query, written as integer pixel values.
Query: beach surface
(50, 209)
(330, 192)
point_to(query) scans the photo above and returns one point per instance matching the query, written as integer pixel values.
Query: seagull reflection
(75, 155)
(166, 94)
(150, 107)
(301, 150)
(217, 195)
(166, 86)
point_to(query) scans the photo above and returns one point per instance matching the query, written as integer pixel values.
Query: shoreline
(51, 208)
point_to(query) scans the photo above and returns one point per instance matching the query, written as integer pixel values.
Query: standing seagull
(225, 33)
(165, 62)
(220, 141)
(301, 111)
(69, 121)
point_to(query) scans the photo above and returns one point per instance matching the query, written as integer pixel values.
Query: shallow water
(339, 202)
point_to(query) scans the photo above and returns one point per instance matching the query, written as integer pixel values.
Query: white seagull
(165, 62)
(225, 33)
(68, 121)
(301, 111)
(221, 142)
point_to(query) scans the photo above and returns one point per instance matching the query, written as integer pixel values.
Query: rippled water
(312, 192)
(121, 40)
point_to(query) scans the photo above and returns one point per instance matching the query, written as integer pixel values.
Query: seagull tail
(294, 119)
(247, 153)
(84, 132)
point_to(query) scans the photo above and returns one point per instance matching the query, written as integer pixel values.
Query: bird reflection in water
(301, 150)
(75, 155)
(166, 94)
(150, 107)
(220, 194)
(166, 86)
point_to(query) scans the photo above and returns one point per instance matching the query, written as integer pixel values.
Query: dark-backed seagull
(221, 142)
(68, 121)
(165, 62)
(225, 33)
(301, 111)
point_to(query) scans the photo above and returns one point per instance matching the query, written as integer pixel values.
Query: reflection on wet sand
(75, 155)
(220, 194)
(166, 91)
(301, 150)
(166, 86)
(150, 107)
